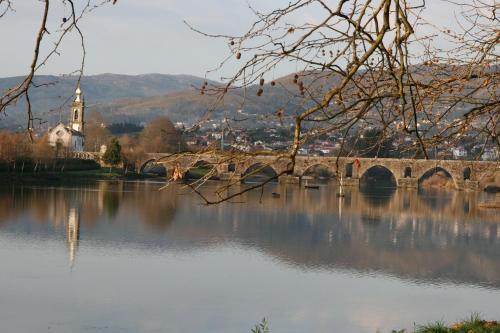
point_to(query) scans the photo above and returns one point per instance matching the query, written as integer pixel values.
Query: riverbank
(72, 176)
(472, 325)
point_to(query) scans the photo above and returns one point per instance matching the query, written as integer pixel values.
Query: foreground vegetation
(19, 152)
(474, 324)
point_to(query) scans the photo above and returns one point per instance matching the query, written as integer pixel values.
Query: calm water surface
(123, 257)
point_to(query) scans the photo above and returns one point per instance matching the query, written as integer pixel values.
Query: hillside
(189, 105)
(98, 89)
(140, 98)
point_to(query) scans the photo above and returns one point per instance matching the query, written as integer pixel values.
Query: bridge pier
(408, 182)
(289, 179)
(467, 185)
(351, 182)
(230, 176)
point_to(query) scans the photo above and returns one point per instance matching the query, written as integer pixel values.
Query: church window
(76, 114)
(59, 133)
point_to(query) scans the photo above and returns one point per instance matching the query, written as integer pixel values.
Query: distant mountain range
(190, 105)
(55, 92)
(140, 98)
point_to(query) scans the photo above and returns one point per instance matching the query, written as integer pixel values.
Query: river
(125, 257)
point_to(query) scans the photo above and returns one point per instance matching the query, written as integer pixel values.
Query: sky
(142, 36)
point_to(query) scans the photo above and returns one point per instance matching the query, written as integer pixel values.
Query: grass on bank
(473, 324)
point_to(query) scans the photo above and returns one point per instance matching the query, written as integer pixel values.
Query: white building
(490, 154)
(70, 137)
(459, 152)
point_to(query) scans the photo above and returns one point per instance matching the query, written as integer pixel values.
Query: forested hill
(54, 91)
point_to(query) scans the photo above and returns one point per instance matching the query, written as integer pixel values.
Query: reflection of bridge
(406, 172)
(405, 233)
(411, 204)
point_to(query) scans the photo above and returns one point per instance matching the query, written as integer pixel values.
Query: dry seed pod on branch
(386, 68)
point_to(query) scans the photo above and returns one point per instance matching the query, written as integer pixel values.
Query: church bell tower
(77, 111)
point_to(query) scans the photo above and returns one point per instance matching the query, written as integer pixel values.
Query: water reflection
(428, 237)
(73, 233)
(378, 196)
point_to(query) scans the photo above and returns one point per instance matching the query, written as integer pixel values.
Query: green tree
(112, 156)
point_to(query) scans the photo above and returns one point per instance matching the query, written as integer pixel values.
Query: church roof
(77, 133)
(67, 129)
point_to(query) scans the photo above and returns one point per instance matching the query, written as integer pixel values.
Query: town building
(459, 152)
(490, 154)
(71, 137)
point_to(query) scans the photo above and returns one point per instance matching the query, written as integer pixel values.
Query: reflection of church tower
(77, 111)
(73, 233)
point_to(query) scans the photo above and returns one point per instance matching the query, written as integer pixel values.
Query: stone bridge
(407, 172)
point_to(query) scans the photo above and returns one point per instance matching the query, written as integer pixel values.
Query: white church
(70, 137)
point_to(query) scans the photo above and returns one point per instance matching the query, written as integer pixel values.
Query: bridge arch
(379, 172)
(154, 167)
(202, 163)
(407, 172)
(467, 173)
(321, 168)
(201, 168)
(145, 163)
(258, 172)
(437, 170)
(349, 170)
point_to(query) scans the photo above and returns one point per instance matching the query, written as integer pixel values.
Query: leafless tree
(69, 25)
(356, 64)
(380, 63)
